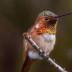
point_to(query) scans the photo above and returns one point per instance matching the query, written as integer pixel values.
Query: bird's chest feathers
(46, 42)
(48, 37)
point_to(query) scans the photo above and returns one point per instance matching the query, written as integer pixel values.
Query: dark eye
(45, 18)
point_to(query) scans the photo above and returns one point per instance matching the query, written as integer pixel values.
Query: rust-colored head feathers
(46, 23)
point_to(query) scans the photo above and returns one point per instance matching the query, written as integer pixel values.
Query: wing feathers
(27, 61)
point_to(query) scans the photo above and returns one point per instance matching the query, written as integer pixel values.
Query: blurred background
(16, 16)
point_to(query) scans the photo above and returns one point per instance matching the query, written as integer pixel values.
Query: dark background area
(16, 16)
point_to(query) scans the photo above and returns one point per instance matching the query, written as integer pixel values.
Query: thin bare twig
(43, 54)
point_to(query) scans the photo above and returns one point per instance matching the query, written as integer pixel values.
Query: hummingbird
(43, 33)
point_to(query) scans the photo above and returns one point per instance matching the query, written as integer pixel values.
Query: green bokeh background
(16, 16)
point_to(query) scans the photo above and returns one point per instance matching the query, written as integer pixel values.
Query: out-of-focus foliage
(16, 16)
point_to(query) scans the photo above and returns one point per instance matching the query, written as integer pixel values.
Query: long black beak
(62, 15)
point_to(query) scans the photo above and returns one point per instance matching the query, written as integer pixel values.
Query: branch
(43, 54)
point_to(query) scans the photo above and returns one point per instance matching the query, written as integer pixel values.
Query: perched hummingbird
(43, 32)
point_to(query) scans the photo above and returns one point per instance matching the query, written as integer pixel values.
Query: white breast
(46, 42)
(49, 37)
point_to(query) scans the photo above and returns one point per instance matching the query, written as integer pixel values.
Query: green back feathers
(47, 13)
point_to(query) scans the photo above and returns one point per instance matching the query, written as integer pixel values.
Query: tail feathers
(27, 63)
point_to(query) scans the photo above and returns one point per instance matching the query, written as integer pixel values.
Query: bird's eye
(45, 19)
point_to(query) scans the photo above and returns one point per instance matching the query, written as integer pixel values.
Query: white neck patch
(37, 26)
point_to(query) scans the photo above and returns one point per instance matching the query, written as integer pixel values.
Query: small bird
(43, 33)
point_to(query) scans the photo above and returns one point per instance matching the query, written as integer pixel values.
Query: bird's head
(47, 22)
